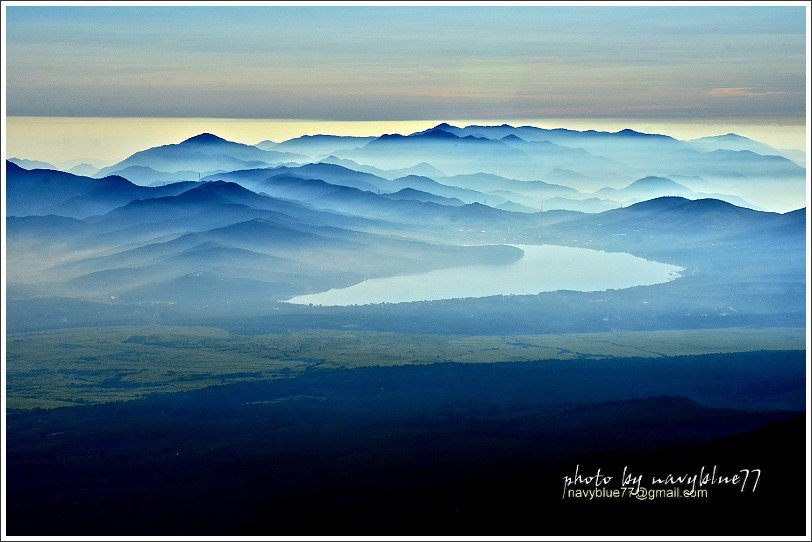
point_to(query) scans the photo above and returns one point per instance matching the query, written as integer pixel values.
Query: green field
(77, 366)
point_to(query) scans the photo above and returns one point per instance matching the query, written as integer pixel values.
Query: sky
(407, 63)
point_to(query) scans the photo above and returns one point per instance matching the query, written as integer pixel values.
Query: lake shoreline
(543, 268)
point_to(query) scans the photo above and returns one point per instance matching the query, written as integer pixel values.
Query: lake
(543, 268)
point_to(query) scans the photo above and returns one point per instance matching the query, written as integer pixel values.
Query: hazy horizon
(105, 140)
(99, 83)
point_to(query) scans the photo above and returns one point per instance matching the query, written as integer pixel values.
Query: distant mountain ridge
(202, 153)
(31, 164)
(583, 159)
(316, 145)
(518, 167)
(736, 142)
(43, 192)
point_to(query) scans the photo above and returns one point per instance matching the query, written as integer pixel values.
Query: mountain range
(265, 224)
(201, 153)
(517, 167)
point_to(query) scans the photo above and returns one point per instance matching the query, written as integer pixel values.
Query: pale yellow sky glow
(103, 141)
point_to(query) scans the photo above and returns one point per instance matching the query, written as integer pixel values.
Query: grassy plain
(77, 366)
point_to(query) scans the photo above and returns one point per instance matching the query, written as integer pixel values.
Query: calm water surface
(544, 268)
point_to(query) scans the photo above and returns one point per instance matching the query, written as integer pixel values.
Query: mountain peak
(652, 180)
(733, 136)
(205, 138)
(436, 132)
(686, 205)
(220, 187)
(213, 191)
(630, 132)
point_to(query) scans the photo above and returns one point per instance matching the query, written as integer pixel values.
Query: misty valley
(411, 332)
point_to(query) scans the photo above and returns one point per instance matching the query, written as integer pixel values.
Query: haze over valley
(268, 222)
(237, 229)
